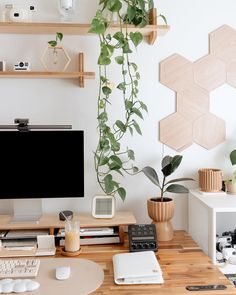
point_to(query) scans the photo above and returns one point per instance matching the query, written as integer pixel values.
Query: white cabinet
(210, 214)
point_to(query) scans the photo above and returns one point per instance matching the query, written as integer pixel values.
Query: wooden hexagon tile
(193, 83)
(176, 132)
(209, 131)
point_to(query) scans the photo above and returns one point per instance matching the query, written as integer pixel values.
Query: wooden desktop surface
(182, 262)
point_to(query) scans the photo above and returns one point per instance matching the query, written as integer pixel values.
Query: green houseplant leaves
(110, 158)
(169, 165)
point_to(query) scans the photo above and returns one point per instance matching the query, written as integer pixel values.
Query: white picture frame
(103, 207)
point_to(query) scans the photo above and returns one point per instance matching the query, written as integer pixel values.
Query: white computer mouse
(19, 287)
(32, 285)
(8, 287)
(62, 272)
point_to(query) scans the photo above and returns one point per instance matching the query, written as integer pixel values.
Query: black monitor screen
(41, 164)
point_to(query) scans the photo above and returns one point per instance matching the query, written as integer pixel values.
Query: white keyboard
(19, 268)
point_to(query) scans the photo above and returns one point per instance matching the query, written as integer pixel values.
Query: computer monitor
(41, 164)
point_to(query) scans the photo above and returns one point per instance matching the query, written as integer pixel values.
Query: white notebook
(137, 268)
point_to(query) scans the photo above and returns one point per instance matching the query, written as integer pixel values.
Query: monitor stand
(27, 210)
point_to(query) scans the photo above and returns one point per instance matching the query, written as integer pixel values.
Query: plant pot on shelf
(230, 187)
(210, 180)
(55, 59)
(161, 213)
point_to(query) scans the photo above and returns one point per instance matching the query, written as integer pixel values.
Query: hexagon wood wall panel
(193, 82)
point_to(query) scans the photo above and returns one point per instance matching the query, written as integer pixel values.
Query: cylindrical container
(72, 236)
(210, 179)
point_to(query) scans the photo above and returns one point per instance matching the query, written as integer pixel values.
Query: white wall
(62, 102)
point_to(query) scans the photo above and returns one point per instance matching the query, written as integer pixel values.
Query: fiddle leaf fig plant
(169, 165)
(111, 159)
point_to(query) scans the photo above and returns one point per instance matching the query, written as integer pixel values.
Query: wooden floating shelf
(46, 75)
(73, 28)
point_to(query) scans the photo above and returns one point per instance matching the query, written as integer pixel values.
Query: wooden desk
(182, 262)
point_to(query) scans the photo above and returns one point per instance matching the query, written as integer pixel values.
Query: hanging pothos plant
(110, 158)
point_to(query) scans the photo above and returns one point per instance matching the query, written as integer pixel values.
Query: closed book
(137, 268)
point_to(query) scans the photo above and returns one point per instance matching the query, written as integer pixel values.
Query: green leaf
(233, 157)
(126, 48)
(131, 13)
(119, 60)
(151, 175)
(103, 116)
(137, 128)
(116, 160)
(102, 103)
(166, 161)
(103, 161)
(110, 49)
(167, 170)
(103, 79)
(137, 76)
(120, 125)
(131, 154)
(114, 5)
(136, 38)
(177, 188)
(115, 146)
(128, 104)
(122, 193)
(121, 86)
(137, 112)
(119, 36)
(134, 66)
(104, 144)
(98, 24)
(106, 90)
(179, 179)
(109, 184)
(143, 106)
(175, 162)
(104, 61)
(52, 43)
(59, 36)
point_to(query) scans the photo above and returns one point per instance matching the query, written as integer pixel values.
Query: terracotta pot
(161, 213)
(210, 180)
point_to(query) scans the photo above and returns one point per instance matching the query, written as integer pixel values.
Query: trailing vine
(110, 158)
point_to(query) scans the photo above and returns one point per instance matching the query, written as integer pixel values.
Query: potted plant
(110, 158)
(161, 208)
(230, 184)
(55, 57)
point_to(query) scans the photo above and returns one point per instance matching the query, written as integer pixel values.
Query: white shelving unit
(210, 214)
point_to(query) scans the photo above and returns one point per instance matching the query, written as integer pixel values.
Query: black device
(206, 288)
(66, 214)
(142, 237)
(41, 164)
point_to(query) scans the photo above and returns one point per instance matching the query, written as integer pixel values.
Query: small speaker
(67, 214)
(2, 66)
(103, 207)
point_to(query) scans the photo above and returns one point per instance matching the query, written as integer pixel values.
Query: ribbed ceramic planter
(161, 213)
(210, 180)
